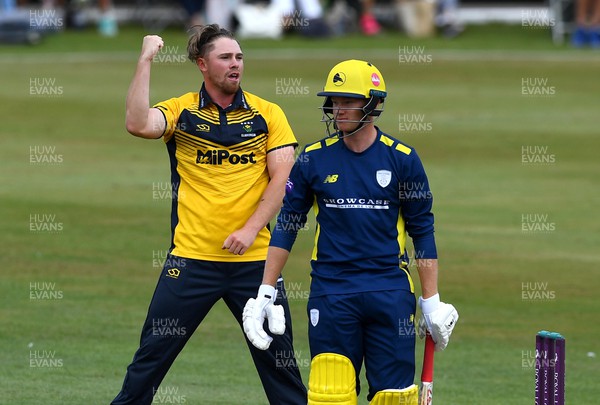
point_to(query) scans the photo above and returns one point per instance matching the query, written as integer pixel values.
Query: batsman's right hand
(255, 312)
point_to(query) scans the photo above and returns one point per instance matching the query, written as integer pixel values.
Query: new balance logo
(218, 156)
(331, 178)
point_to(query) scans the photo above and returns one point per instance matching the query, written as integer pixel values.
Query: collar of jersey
(239, 101)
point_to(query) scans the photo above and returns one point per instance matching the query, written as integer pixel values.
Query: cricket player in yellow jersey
(231, 153)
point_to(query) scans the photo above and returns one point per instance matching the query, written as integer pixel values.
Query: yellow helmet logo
(339, 79)
(375, 80)
(354, 78)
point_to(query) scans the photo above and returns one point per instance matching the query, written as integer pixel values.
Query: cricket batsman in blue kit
(368, 191)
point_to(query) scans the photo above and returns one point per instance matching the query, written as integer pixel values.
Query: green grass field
(514, 174)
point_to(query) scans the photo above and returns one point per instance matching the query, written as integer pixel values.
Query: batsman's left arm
(428, 275)
(276, 260)
(438, 318)
(292, 217)
(417, 213)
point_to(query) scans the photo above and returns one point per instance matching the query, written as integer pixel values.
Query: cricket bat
(426, 391)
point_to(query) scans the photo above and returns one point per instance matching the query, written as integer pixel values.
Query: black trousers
(186, 291)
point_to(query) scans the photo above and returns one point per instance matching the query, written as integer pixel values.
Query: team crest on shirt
(247, 130)
(314, 317)
(383, 177)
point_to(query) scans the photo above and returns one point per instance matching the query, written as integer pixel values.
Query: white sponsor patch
(314, 317)
(383, 177)
(353, 202)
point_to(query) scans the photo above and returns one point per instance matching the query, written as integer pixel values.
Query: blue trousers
(186, 291)
(375, 327)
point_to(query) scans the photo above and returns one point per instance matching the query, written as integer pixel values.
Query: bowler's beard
(228, 87)
(225, 85)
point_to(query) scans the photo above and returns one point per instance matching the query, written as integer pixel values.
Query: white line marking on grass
(69, 57)
(438, 54)
(322, 54)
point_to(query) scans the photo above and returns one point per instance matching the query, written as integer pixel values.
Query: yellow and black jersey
(219, 169)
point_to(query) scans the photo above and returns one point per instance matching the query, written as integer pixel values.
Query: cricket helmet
(356, 79)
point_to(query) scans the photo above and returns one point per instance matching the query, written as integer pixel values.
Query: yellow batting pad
(405, 396)
(332, 380)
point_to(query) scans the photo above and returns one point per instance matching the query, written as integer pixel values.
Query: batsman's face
(347, 112)
(223, 66)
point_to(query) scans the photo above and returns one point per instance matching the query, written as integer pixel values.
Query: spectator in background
(195, 10)
(345, 15)
(366, 20)
(417, 17)
(107, 23)
(303, 16)
(75, 13)
(587, 23)
(446, 18)
(201, 12)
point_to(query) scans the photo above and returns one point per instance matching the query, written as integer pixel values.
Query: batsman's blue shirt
(365, 204)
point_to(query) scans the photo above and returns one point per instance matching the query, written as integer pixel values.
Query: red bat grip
(427, 371)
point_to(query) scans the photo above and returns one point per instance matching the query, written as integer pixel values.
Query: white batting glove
(438, 318)
(255, 312)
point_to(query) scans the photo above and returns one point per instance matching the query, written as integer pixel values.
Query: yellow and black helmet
(357, 79)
